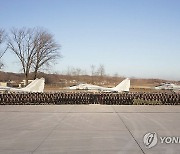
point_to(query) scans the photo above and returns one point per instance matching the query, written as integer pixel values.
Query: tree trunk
(26, 79)
(35, 73)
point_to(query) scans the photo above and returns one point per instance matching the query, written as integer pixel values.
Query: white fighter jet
(35, 86)
(168, 86)
(121, 87)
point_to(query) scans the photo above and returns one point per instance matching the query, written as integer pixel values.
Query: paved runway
(87, 129)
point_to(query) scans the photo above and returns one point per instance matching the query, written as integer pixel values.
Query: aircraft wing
(85, 87)
(2, 88)
(7, 89)
(35, 86)
(176, 88)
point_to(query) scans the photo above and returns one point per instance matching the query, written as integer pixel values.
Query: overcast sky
(134, 38)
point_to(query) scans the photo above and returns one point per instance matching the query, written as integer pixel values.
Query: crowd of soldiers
(86, 98)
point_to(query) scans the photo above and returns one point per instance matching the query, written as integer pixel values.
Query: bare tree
(2, 51)
(101, 70)
(21, 42)
(92, 70)
(47, 50)
(34, 48)
(69, 71)
(76, 71)
(92, 73)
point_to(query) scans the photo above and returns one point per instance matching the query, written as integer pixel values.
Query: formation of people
(86, 98)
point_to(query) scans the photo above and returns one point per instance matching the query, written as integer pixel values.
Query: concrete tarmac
(87, 129)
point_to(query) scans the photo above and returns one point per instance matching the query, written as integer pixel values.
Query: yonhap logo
(150, 140)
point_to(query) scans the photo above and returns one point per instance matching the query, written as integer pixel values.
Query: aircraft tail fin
(35, 86)
(123, 86)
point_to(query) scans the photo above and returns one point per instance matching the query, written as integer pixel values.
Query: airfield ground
(81, 129)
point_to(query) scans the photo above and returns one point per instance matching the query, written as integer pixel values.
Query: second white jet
(124, 86)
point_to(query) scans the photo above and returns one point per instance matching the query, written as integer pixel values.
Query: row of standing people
(86, 98)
